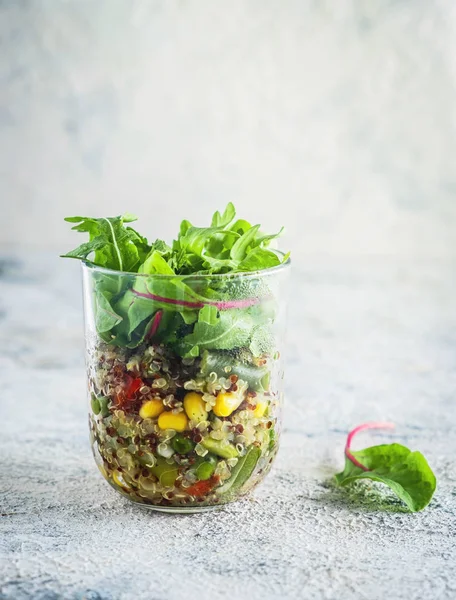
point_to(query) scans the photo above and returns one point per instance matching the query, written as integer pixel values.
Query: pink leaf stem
(221, 305)
(155, 324)
(351, 435)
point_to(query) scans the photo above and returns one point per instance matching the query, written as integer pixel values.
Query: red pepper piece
(127, 395)
(132, 386)
(201, 488)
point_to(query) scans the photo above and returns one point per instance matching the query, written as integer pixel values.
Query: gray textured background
(335, 118)
(367, 341)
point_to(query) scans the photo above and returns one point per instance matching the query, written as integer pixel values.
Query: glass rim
(204, 276)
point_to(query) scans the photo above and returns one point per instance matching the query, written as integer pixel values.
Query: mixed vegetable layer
(183, 359)
(170, 431)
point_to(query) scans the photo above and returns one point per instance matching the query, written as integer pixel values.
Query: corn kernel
(151, 409)
(226, 403)
(195, 407)
(260, 409)
(117, 478)
(169, 420)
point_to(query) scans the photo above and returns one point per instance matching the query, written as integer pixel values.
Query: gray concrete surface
(368, 339)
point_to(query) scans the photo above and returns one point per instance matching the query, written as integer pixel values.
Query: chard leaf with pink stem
(405, 472)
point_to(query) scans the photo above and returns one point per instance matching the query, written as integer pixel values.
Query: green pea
(95, 403)
(206, 469)
(181, 444)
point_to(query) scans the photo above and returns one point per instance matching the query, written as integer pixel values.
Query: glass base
(182, 510)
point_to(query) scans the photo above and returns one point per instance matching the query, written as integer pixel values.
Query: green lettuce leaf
(208, 314)
(105, 316)
(405, 472)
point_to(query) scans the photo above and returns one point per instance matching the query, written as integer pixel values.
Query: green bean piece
(219, 448)
(241, 473)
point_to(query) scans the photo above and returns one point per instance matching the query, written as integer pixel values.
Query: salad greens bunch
(168, 301)
(229, 245)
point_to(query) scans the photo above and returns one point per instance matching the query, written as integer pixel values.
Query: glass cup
(185, 383)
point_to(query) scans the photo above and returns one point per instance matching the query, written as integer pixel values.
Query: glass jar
(185, 383)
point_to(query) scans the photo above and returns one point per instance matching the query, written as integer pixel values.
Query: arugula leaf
(259, 259)
(155, 263)
(113, 245)
(225, 219)
(160, 246)
(240, 247)
(265, 240)
(224, 247)
(140, 242)
(227, 246)
(405, 472)
(240, 226)
(232, 330)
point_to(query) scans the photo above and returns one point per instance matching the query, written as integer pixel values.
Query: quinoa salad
(184, 361)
